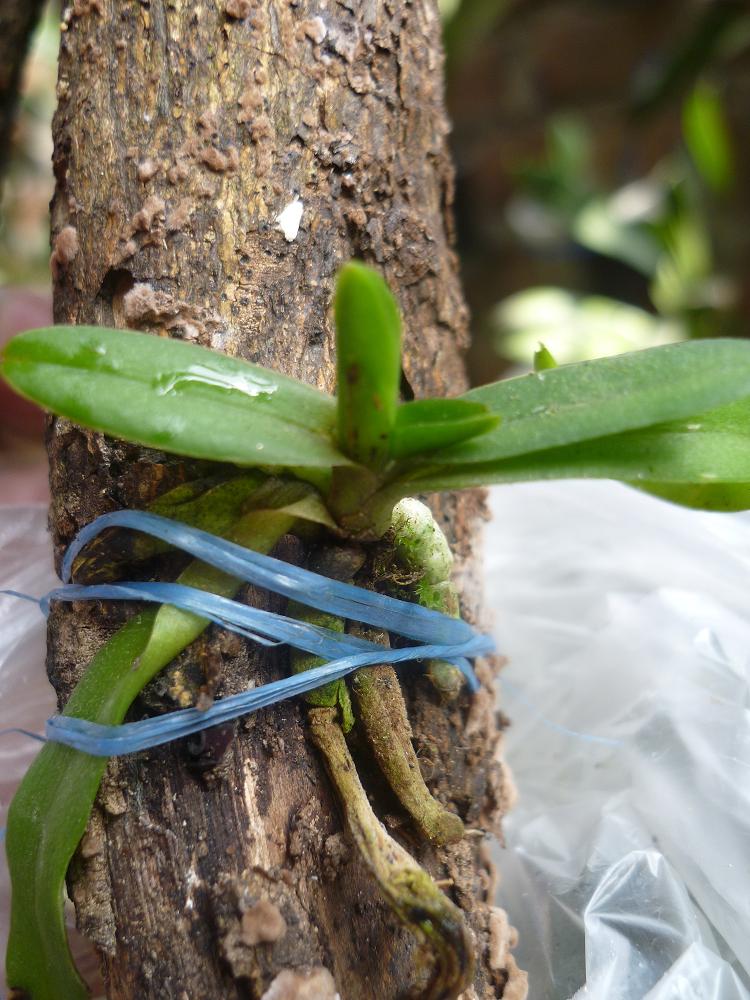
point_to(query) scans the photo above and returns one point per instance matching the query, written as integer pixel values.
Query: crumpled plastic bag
(26, 697)
(627, 863)
(626, 621)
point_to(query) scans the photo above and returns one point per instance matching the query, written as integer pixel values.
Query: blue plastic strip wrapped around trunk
(105, 741)
(301, 585)
(439, 636)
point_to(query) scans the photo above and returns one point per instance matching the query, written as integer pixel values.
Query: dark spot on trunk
(407, 393)
(206, 749)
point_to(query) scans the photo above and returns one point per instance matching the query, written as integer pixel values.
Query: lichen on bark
(183, 131)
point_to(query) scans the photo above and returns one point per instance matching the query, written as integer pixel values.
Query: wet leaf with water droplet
(244, 382)
(175, 396)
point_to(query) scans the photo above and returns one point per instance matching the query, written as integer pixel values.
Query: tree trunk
(18, 18)
(183, 130)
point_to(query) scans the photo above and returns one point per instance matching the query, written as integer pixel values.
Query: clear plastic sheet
(26, 698)
(627, 867)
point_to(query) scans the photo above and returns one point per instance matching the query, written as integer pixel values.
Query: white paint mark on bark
(289, 218)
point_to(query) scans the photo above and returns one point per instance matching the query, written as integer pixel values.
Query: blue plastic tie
(439, 636)
(344, 599)
(105, 741)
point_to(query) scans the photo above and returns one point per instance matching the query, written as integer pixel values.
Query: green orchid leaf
(720, 440)
(594, 399)
(368, 364)
(633, 417)
(702, 462)
(427, 424)
(174, 396)
(648, 456)
(722, 497)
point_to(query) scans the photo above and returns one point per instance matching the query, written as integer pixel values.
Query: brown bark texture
(18, 18)
(184, 128)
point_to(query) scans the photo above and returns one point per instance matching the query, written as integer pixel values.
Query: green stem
(50, 810)
(362, 502)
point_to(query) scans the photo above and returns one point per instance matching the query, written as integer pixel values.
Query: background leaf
(576, 327)
(598, 227)
(174, 396)
(706, 132)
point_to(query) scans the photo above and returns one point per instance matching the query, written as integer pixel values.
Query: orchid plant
(671, 420)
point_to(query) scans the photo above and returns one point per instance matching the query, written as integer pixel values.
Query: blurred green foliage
(657, 226)
(575, 326)
(707, 137)
(640, 262)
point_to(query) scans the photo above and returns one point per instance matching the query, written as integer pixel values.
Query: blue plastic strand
(21, 596)
(439, 636)
(23, 732)
(344, 599)
(557, 727)
(269, 628)
(105, 741)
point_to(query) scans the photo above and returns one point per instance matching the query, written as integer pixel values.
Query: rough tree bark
(183, 129)
(18, 18)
